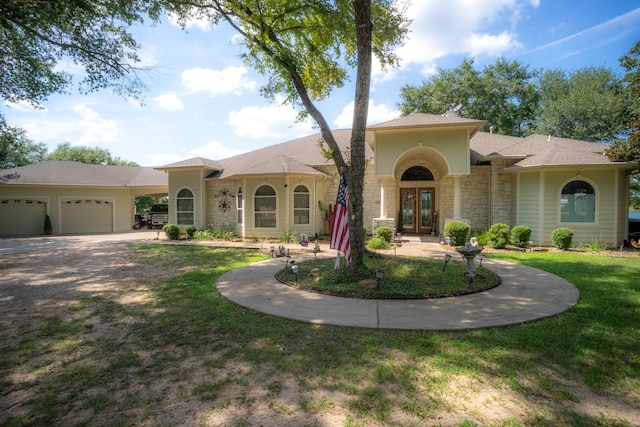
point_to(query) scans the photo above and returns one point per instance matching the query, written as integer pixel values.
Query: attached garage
(87, 216)
(79, 198)
(22, 217)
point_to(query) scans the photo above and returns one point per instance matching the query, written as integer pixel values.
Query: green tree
(590, 104)
(307, 48)
(35, 36)
(504, 94)
(18, 150)
(90, 155)
(627, 148)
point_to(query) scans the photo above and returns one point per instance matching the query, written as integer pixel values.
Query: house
(430, 169)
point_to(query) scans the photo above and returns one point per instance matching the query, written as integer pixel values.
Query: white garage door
(82, 216)
(22, 217)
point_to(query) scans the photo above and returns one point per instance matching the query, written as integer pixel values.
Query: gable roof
(82, 174)
(304, 151)
(537, 151)
(194, 163)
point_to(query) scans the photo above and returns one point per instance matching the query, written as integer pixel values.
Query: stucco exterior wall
(193, 180)
(528, 201)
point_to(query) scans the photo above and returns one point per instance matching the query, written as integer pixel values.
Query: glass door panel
(426, 211)
(408, 210)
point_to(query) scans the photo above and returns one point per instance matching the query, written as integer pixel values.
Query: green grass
(186, 352)
(403, 277)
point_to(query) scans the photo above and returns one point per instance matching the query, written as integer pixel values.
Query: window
(301, 205)
(417, 173)
(265, 207)
(578, 202)
(240, 206)
(184, 207)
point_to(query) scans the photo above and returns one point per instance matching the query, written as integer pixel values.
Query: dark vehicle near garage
(158, 215)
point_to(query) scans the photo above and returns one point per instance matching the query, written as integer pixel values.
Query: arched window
(184, 207)
(417, 173)
(578, 202)
(240, 206)
(265, 207)
(301, 205)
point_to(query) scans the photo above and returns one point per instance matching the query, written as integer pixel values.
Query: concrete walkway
(525, 294)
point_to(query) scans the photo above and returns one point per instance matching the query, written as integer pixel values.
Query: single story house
(429, 169)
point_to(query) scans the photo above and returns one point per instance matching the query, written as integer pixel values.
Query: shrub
(457, 231)
(289, 237)
(481, 236)
(191, 231)
(561, 238)
(378, 243)
(172, 231)
(48, 228)
(385, 233)
(520, 235)
(498, 236)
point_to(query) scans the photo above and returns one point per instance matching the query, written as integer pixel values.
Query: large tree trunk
(355, 175)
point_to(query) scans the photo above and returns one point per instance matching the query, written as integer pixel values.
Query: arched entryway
(417, 201)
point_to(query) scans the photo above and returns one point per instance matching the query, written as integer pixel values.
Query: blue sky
(202, 101)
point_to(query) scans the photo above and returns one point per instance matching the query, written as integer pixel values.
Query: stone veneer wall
(500, 193)
(475, 197)
(214, 216)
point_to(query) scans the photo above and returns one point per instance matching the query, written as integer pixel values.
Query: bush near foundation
(499, 236)
(385, 233)
(457, 231)
(172, 231)
(520, 235)
(561, 238)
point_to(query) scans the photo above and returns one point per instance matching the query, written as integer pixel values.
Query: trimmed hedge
(561, 238)
(385, 233)
(457, 231)
(520, 235)
(172, 231)
(499, 236)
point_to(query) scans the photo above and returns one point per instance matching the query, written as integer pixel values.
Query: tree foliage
(38, 38)
(590, 104)
(18, 150)
(504, 94)
(627, 149)
(90, 155)
(307, 48)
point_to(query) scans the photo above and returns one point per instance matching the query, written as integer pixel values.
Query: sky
(201, 101)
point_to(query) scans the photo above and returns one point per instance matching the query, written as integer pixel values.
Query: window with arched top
(184, 207)
(240, 206)
(301, 205)
(265, 205)
(578, 202)
(417, 173)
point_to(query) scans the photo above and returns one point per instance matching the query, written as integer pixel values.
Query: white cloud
(95, 129)
(272, 121)
(161, 159)
(217, 82)
(215, 150)
(196, 20)
(377, 114)
(25, 107)
(169, 101)
(459, 27)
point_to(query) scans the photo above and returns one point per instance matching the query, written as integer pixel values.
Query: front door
(417, 206)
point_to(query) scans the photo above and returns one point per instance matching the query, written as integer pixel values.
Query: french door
(417, 207)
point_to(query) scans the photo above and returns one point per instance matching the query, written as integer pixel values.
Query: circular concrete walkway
(525, 294)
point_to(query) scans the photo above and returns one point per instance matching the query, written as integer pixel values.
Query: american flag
(339, 238)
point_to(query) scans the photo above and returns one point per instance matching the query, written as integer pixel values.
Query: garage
(87, 216)
(22, 217)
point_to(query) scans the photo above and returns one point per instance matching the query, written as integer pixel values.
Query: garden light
(379, 274)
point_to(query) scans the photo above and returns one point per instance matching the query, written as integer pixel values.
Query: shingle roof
(304, 150)
(280, 165)
(194, 162)
(427, 120)
(82, 174)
